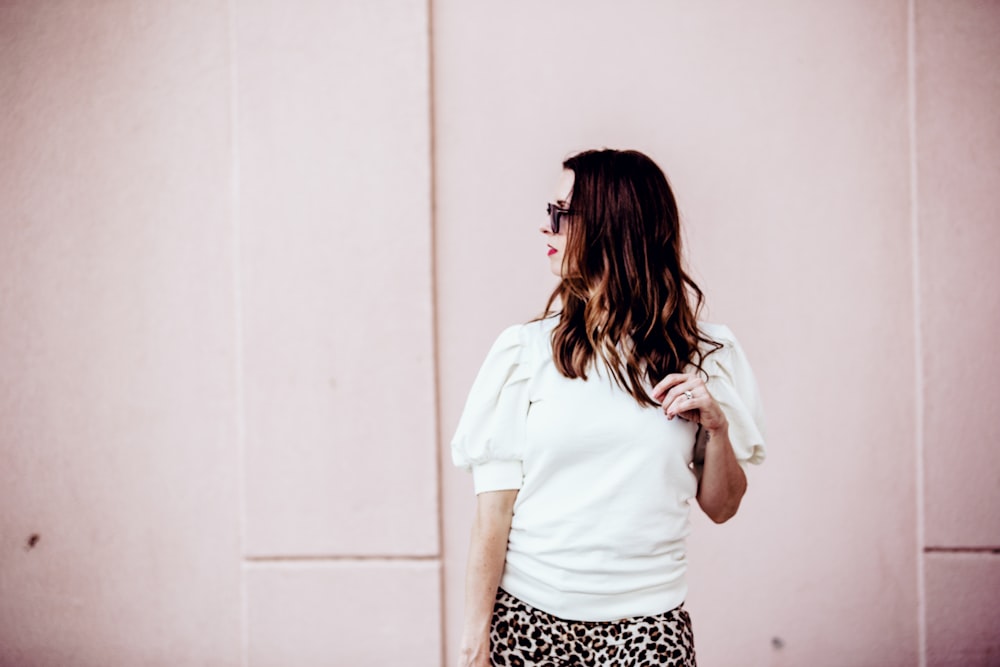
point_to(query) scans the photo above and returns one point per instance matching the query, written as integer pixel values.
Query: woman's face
(556, 243)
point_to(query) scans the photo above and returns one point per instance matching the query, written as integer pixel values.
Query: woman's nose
(545, 229)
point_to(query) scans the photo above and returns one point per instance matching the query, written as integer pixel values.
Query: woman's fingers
(686, 396)
(693, 385)
(666, 383)
(683, 406)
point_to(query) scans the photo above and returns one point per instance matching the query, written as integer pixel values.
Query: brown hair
(625, 295)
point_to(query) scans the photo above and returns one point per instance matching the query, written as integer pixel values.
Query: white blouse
(604, 483)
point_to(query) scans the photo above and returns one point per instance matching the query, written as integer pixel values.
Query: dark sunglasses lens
(553, 218)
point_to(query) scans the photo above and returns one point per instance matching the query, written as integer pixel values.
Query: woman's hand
(721, 482)
(685, 395)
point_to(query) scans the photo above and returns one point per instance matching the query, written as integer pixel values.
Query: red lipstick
(552, 251)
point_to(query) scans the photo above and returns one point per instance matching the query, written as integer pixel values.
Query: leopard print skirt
(521, 635)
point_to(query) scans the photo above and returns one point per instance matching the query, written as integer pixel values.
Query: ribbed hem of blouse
(579, 606)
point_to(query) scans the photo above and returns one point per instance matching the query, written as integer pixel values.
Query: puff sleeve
(489, 439)
(732, 384)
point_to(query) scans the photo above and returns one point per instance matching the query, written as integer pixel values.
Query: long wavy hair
(625, 296)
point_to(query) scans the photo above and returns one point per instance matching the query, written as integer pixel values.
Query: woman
(588, 431)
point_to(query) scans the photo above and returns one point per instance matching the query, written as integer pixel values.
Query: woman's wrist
(717, 433)
(474, 632)
(474, 645)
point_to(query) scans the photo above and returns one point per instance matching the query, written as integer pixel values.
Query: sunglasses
(556, 214)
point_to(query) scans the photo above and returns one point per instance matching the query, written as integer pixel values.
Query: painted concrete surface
(958, 171)
(118, 493)
(958, 143)
(334, 144)
(138, 368)
(964, 617)
(234, 323)
(362, 614)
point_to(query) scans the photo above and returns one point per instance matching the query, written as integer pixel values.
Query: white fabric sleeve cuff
(497, 476)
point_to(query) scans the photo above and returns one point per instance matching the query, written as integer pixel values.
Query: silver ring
(688, 395)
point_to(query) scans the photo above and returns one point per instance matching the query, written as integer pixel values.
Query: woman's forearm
(487, 553)
(722, 482)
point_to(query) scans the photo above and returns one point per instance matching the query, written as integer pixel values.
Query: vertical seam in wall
(435, 342)
(918, 366)
(240, 403)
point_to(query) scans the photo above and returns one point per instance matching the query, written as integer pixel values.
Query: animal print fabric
(522, 636)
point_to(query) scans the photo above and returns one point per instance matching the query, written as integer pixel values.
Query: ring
(688, 395)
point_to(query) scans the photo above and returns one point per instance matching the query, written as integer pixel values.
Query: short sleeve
(731, 382)
(490, 436)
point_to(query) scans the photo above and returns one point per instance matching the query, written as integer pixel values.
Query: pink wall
(251, 258)
(958, 302)
(118, 446)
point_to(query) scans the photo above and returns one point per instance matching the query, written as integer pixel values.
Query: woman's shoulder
(534, 336)
(730, 355)
(719, 333)
(542, 326)
(730, 358)
(522, 343)
(525, 331)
